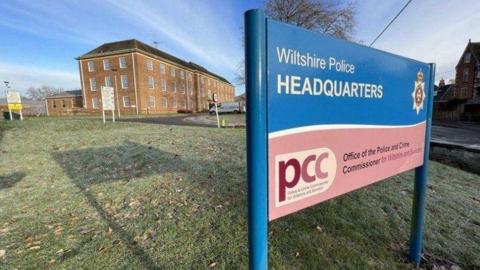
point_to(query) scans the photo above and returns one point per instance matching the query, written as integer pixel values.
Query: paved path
(178, 120)
(457, 133)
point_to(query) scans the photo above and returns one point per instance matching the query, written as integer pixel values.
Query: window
(478, 74)
(172, 71)
(164, 102)
(182, 87)
(95, 103)
(63, 103)
(151, 82)
(93, 84)
(174, 87)
(465, 75)
(108, 81)
(174, 102)
(54, 104)
(91, 66)
(189, 76)
(162, 68)
(467, 57)
(149, 64)
(209, 93)
(202, 91)
(182, 74)
(189, 88)
(124, 81)
(208, 81)
(151, 102)
(106, 64)
(122, 62)
(164, 85)
(126, 101)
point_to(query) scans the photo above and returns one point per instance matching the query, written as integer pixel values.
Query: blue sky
(40, 39)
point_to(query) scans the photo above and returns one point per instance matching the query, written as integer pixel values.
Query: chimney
(441, 83)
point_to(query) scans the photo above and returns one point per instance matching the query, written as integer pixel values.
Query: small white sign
(108, 98)
(13, 97)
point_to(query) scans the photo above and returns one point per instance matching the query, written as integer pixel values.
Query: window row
(108, 82)
(122, 63)
(151, 102)
(173, 70)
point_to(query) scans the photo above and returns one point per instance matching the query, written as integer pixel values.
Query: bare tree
(323, 16)
(41, 93)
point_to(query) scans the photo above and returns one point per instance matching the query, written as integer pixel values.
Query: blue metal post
(256, 88)
(421, 178)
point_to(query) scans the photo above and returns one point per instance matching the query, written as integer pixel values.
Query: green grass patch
(78, 194)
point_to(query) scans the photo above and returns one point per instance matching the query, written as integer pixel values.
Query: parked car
(226, 107)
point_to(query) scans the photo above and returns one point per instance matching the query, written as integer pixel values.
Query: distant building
(30, 107)
(65, 103)
(147, 80)
(461, 100)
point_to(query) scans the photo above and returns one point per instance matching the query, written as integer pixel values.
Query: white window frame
(95, 105)
(106, 64)
(122, 62)
(189, 76)
(91, 66)
(182, 87)
(149, 100)
(468, 59)
(174, 87)
(165, 102)
(175, 102)
(162, 68)
(182, 74)
(123, 100)
(163, 85)
(151, 82)
(122, 82)
(93, 84)
(109, 80)
(172, 71)
(149, 64)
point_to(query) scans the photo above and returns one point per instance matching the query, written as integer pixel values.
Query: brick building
(462, 101)
(147, 80)
(64, 103)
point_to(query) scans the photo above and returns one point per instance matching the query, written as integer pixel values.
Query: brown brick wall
(196, 100)
(465, 89)
(64, 106)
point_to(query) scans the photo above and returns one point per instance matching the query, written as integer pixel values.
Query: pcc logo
(303, 174)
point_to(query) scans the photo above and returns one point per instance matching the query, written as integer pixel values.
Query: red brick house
(462, 101)
(64, 103)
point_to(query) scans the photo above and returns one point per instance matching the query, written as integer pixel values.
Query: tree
(318, 15)
(41, 93)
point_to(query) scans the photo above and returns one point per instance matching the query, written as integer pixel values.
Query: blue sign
(326, 117)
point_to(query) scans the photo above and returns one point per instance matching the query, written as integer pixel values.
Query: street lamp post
(116, 90)
(7, 86)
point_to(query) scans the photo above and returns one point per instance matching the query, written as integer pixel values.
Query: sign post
(214, 96)
(326, 117)
(108, 102)
(14, 102)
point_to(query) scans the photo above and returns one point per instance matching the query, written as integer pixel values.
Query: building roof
(70, 93)
(475, 47)
(444, 93)
(132, 45)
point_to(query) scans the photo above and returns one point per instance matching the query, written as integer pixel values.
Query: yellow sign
(14, 106)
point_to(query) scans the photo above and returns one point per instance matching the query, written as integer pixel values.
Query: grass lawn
(77, 194)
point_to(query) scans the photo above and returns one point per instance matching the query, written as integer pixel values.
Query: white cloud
(23, 77)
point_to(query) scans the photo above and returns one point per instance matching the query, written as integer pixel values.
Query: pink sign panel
(313, 164)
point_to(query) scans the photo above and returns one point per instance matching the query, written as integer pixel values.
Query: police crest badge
(418, 94)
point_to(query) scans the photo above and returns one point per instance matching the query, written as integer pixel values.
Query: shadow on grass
(10, 180)
(91, 166)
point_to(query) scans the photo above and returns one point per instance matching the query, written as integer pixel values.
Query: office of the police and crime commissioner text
(318, 86)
